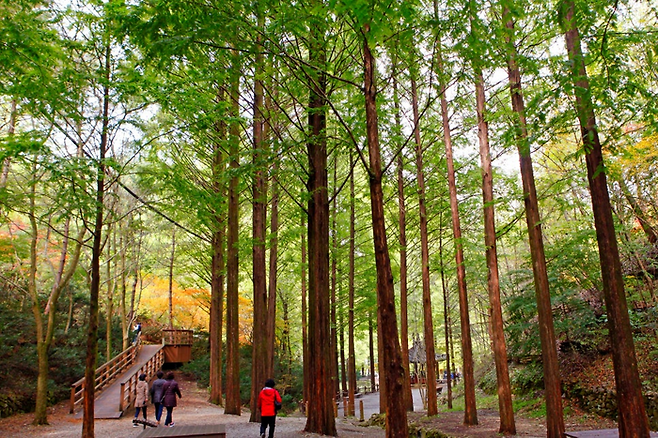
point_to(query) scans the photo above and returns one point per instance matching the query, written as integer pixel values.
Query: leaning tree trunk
(233, 403)
(552, 383)
(633, 421)
(505, 409)
(172, 259)
(92, 327)
(396, 413)
(470, 410)
(320, 413)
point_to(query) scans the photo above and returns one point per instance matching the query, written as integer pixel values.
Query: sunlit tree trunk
(505, 409)
(396, 413)
(552, 384)
(633, 421)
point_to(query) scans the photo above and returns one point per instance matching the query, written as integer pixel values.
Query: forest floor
(195, 409)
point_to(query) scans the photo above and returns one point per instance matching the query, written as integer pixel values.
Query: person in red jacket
(266, 403)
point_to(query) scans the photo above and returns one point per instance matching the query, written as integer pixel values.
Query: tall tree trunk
(552, 384)
(633, 421)
(320, 389)
(371, 351)
(271, 298)
(428, 324)
(402, 226)
(92, 327)
(334, 268)
(396, 413)
(446, 314)
(351, 368)
(470, 410)
(259, 217)
(110, 300)
(172, 259)
(305, 347)
(125, 328)
(233, 403)
(217, 260)
(505, 409)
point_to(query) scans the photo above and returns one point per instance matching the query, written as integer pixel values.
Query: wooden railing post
(72, 407)
(121, 398)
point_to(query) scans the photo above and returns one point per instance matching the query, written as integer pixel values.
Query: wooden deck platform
(200, 431)
(604, 433)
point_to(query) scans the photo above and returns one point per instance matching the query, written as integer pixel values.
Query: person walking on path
(157, 395)
(268, 399)
(169, 391)
(141, 398)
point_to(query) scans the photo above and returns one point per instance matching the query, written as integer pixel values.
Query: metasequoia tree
(259, 213)
(320, 412)
(393, 371)
(428, 325)
(218, 236)
(505, 409)
(552, 384)
(633, 421)
(351, 354)
(402, 239)
(233, 402)
(470, 410)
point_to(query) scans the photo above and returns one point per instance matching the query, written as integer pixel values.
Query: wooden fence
(177, 337)
(129, 385)
(106, 373)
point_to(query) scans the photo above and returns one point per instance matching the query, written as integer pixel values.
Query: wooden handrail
(177, 337)
(129, 386)
(106, 373)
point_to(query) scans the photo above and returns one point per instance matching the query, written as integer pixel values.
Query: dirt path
(194, 409)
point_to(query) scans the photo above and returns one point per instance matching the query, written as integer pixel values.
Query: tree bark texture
(552, 384)
(351, 367)
(505, 409)
(320, 414)
(470, 410)
(92, 328)
(259, 216)
(428, 323)
(233, 403)
(633, 420)
(396, 413)
(217, 265)
(402, 239)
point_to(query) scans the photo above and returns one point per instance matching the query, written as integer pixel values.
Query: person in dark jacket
(156, 395)
(169, 391)
(266, 403)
